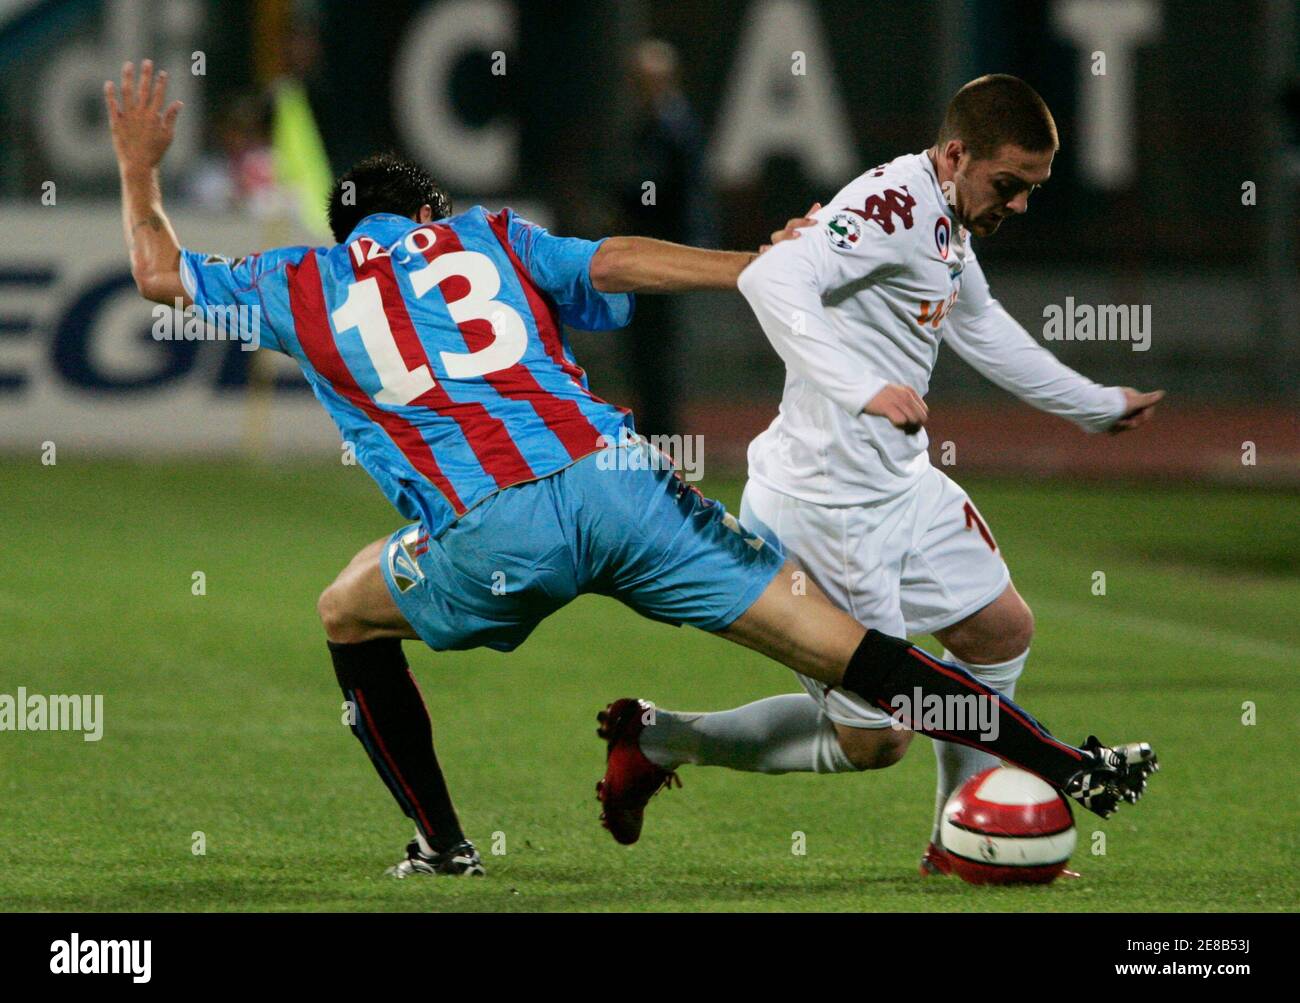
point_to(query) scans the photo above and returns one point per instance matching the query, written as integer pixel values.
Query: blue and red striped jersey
(437, 348)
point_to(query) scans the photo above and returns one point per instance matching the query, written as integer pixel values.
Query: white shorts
(909, 566)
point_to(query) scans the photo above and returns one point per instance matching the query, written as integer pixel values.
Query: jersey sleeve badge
(942, 236)
(844, 230)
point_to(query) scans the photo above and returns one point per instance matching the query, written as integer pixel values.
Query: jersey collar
(928, 166)
(382, 227)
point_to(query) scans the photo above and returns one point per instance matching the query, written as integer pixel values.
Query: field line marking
(1174, 631)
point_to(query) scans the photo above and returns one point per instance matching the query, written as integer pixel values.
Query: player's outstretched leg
(388, 716)
(790, 733)
(811, 636)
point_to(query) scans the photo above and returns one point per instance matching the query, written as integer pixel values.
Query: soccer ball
(1005, 826)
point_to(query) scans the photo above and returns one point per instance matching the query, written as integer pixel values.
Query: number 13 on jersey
(363, 309)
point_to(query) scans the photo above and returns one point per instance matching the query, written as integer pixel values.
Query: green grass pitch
(222, 715)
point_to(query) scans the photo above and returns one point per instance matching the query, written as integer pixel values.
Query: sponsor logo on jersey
(844, 230)
(402, 564)
(942, 236)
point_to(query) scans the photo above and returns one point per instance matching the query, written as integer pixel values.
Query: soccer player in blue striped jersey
(478, 298)
(436, 343)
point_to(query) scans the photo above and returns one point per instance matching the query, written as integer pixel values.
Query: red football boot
(630, 780)
(935, 862)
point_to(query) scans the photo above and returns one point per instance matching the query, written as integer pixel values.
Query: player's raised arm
(997, 347)
(142, 131)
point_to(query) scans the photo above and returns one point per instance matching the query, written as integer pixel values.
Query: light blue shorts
(615, 523)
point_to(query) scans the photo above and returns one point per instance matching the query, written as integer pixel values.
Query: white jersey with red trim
(864, 299)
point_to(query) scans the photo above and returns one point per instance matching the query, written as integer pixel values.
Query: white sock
(785, 734)
(958, 763)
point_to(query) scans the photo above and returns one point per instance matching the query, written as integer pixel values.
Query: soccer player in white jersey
(857, 307)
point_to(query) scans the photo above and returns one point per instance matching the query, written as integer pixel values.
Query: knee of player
(340, 625)
(1005, 638)
(1022, 630)
(874, 748)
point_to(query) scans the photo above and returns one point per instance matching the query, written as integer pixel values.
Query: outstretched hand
(1138, 409)
(141, 129)
(792, 227)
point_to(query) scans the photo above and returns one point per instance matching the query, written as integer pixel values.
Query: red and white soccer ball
(1005, 826)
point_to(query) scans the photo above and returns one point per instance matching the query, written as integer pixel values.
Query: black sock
(889, 672)
(390, 719)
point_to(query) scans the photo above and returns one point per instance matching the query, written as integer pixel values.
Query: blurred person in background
(240, 174)
(664, 150)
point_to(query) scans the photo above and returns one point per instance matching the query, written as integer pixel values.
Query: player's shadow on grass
(548, 890)
(701, 886)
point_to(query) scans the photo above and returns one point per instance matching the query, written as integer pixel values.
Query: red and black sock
(889, 672)
(390, 720)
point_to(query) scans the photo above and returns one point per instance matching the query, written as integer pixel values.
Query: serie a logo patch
(844, 230)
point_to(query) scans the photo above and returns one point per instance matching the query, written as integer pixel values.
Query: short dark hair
(383, 182)
(997, 109)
